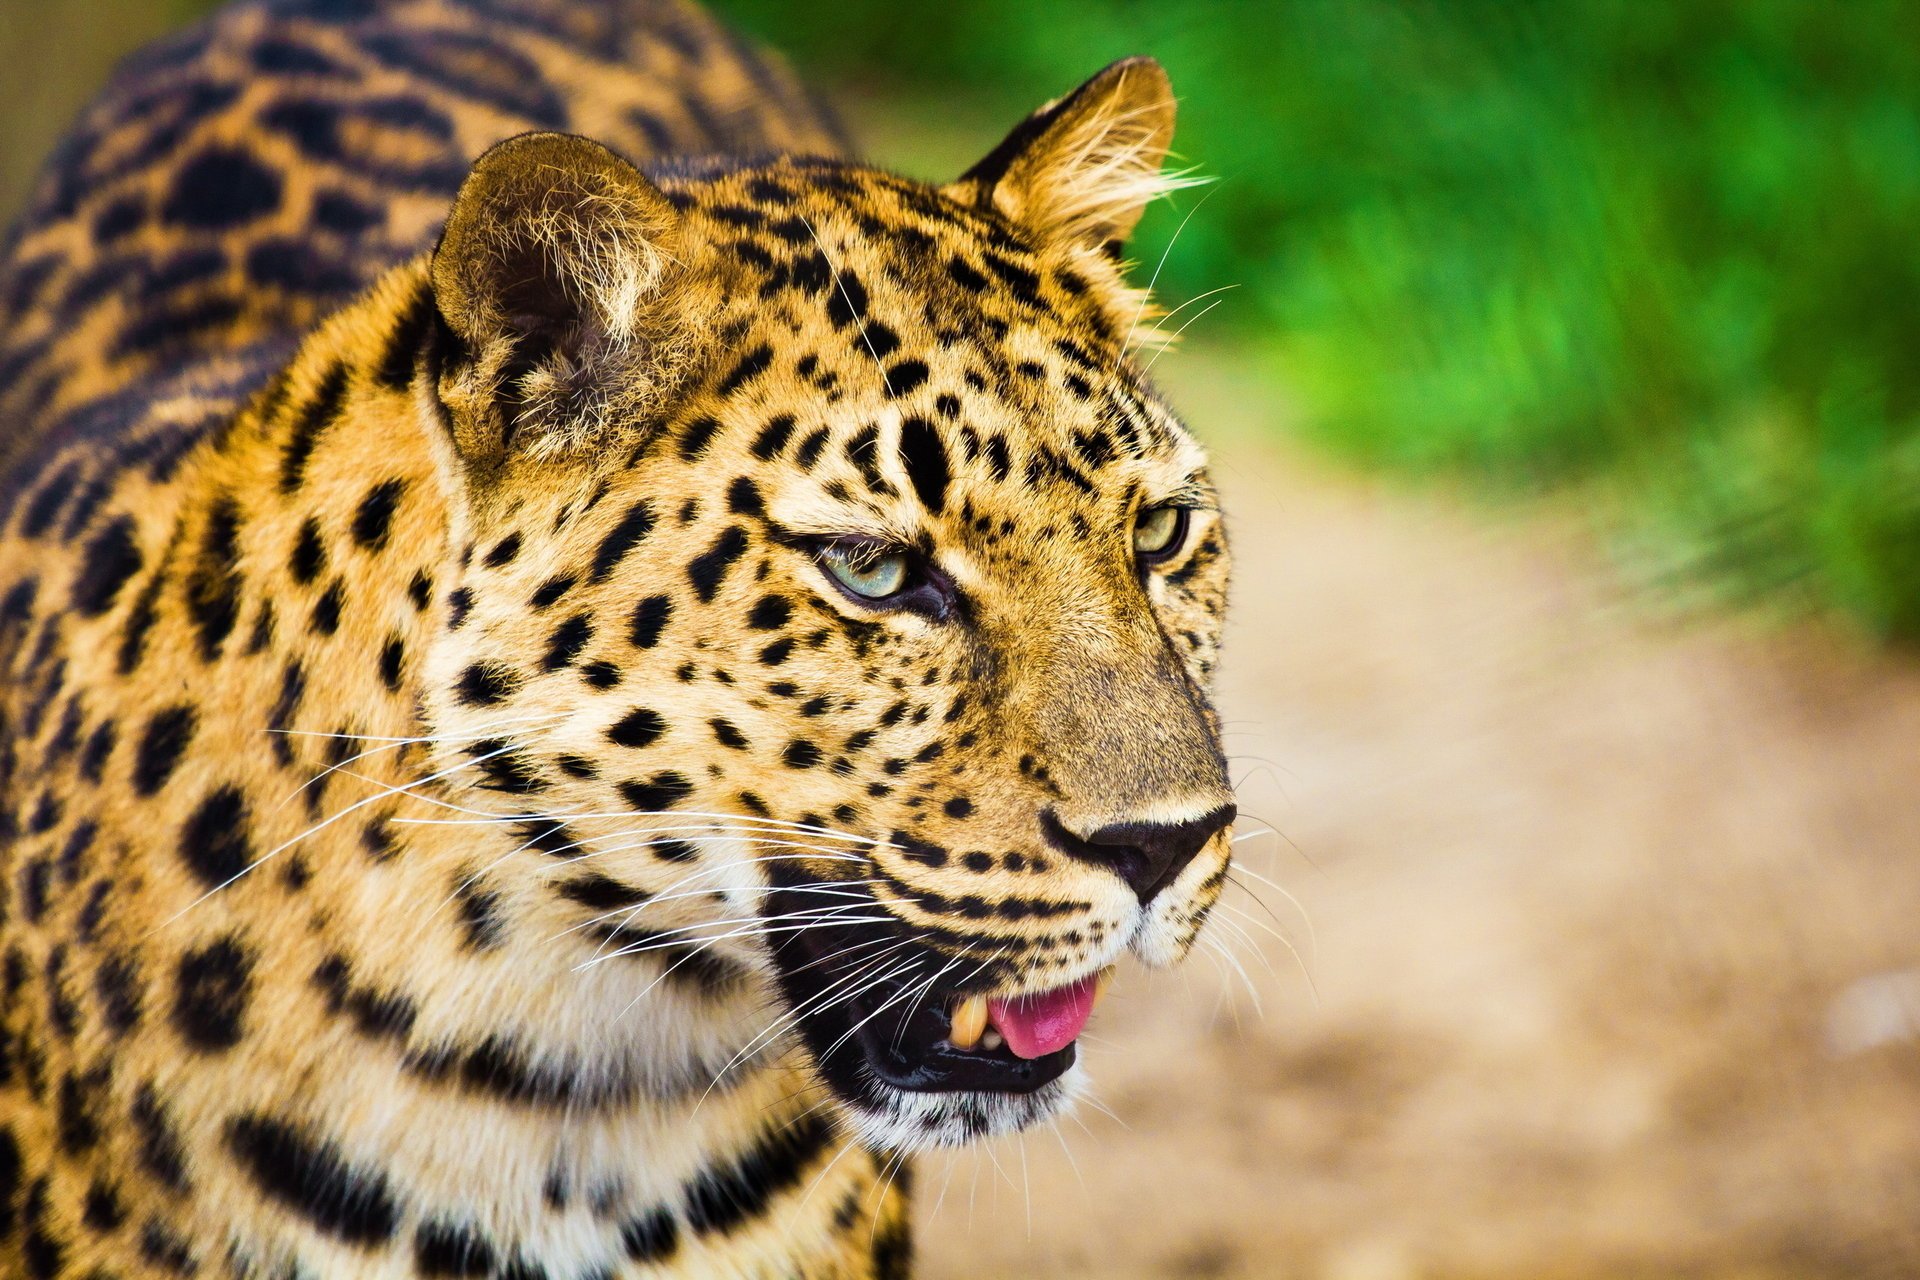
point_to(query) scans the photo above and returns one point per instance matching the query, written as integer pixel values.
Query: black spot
(577, 766)
(506, 768)
(293, 686)
(313, 418)
(503, 1068)
(221, 187)
(326, 612)
(743, 498)
(123, 217)
(719, 1200)
(211, 990)
(374, 520)
(892, 1253)
(485, 684)
(111, 557)
(504, 551)
(551, 590)
(103, 1210)
(313, 1178)
(777, 652)
(601, 893)
(849, 302)
(551, 837)
(41, 512)
(393, 657)
(213, 586)
(162, 1246)
(397, 360)
(338, 211)
(773, 437)
(650, 1237)
(963, 274)
(215, 843)
(801, 754)
(770, 614)
(751, 366)
(601, 675)
(118, 983)
(649, 618)
(622, 538)
(309, 559)
(159, 1150)
(459, 605)
(925, 458)
(662, 791)
(810, 447)
(263, 623)
(33, 889)
(998, 458)
(905, 376)
(640, 727)
(9, 1178)
(377, 839)
(958, 807)
(78, 841)
(568, 639)
(77, 1112)
(287, 56)
(698, 435)
(93, 756)
(881, 340)
(480, 921)
(924, 852)
(450, 1249)
(709, 568)
(1022, 283)
(727, 735)
(165, 741)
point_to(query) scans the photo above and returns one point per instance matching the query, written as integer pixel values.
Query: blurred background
(1562, 363)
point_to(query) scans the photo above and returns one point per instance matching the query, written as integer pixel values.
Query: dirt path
(1615, 941)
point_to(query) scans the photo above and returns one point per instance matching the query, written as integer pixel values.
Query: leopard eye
(866, 571)
(1158, 532)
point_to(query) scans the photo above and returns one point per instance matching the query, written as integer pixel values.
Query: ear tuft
(1084, 167)
(557, 274)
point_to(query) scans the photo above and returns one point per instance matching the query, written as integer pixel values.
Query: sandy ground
(1614, 966)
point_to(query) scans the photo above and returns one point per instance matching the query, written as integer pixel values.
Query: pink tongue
(1037, 1025)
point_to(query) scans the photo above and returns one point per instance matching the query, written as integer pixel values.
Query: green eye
(1158, 530)
(866, 571)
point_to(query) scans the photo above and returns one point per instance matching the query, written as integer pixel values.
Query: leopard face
(833, 586)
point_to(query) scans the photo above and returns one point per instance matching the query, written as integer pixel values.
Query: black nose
(1149, 856)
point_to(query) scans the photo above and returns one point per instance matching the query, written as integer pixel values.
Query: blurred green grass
(1668, 253)
(1666, 256)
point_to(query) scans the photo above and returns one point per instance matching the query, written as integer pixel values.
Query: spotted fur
(431, 734)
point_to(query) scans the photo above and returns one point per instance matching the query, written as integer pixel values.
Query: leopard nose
(1148, 855)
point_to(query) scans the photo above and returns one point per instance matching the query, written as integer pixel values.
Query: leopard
(587, 676)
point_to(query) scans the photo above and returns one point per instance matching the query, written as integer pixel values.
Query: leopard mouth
(870, 1031)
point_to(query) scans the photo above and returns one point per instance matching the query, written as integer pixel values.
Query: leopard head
(836, 581)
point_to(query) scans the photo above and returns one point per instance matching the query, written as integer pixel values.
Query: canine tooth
(992, 1040)
(969, 1019)
(1100, 981)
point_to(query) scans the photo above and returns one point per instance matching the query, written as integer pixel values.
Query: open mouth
(904, 1033)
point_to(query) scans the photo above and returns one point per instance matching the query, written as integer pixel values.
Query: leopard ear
(559, 278)
(1085, 166)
